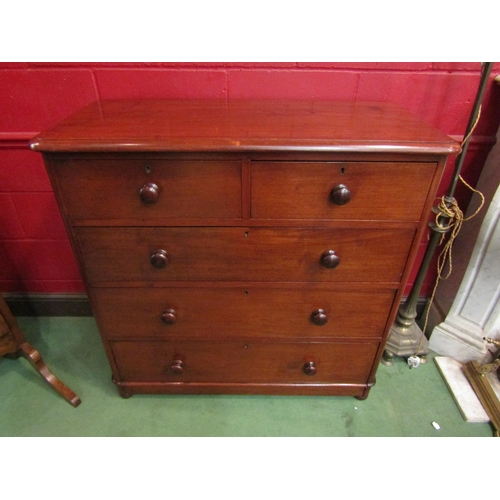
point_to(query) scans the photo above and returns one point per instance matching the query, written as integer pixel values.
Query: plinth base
(405, 342)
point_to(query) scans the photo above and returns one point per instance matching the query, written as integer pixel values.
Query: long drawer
(243, 254)
(238, 362)
(345, 190)
(100, 189)
(242, 312)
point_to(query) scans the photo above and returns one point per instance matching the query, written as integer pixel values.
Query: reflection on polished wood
(244, 125)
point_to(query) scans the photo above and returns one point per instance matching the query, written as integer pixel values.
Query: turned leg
(122, 390)
(124, 393)
(364, 395)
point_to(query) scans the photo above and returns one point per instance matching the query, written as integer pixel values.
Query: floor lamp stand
(406, 339)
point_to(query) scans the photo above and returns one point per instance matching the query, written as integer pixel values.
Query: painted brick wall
(35, 255)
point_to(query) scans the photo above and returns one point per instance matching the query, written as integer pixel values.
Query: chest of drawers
(244, 247)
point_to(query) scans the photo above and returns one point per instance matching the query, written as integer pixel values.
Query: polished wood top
(216, 125)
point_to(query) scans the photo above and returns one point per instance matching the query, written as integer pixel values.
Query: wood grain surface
(240, 125)
(252, 311)
(243, 254)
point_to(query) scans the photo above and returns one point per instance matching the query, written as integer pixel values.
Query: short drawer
(149, 189)
(243, 254)
(348, 191)
(253, 312)
(238, 362)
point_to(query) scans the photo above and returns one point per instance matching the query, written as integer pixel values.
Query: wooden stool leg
(33, 356)
(13, 343)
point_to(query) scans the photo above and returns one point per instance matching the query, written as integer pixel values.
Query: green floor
(404, 402)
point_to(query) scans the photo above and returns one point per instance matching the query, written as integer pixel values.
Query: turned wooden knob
(310, 368)
(169, 317)
(340, 194)
(159, 259)
(330, 259)
(319, 317)
(149, 193)
(177, 366)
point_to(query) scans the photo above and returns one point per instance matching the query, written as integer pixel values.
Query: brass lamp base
(404, 342)
(406, 338)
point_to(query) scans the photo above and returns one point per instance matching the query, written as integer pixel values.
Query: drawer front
(241, 312)
(243, 254)
(125, 189)
(371, 191)
(239, 362)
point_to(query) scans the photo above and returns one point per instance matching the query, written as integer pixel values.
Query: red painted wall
(35, 255)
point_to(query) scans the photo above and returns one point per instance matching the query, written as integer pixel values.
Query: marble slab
(468, 403)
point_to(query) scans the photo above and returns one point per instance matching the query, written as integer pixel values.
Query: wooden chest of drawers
(244, 247)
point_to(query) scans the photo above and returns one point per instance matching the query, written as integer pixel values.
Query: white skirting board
(468, 403)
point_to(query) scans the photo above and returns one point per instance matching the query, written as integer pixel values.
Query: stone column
(475, 310)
